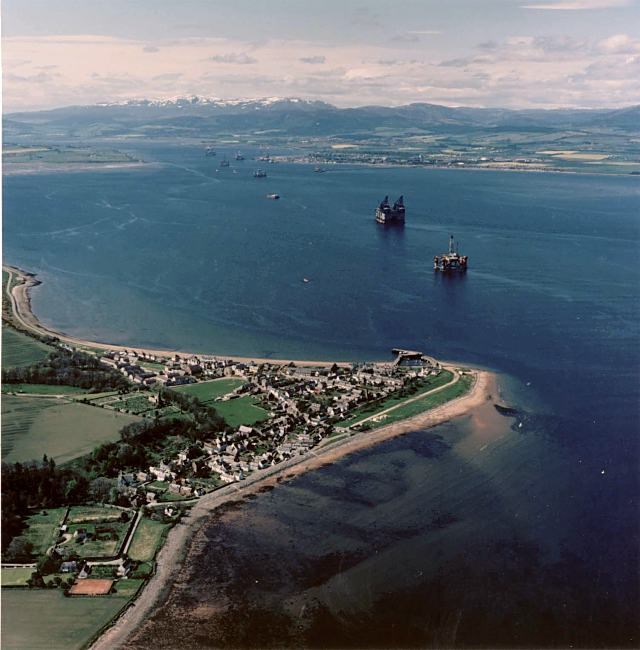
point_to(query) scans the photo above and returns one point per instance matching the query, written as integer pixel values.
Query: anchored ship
(451, 260)
(388, 214)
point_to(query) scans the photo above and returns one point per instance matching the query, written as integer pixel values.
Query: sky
(491, 53)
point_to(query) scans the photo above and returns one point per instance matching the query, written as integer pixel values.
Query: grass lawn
(80, 514)
(42, 529)
(241, 411)
(43, 389)
(33, 426)
(128, 588)
(20, 350)
(206, 391)
(426, 403)
(147, 540)
(368, 410)
(37, 619)
(15, 576)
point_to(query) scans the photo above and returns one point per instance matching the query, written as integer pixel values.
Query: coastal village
(302, 407)
(192, 430)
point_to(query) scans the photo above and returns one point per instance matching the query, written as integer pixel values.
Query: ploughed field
(33, 426)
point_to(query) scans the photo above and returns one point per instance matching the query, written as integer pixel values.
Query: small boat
(259, 173)
(319, 170)
(306, 280)
(239, 156)
(210, 151)
(273, 196)
(224, 163)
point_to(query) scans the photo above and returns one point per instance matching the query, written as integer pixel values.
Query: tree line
(68, 368)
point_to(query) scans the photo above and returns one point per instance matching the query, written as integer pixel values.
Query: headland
(458, 392)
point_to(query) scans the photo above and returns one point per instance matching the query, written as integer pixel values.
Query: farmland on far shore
(33, 426)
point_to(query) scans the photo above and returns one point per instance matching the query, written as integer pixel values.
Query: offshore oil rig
(451, 260)
(390, 215)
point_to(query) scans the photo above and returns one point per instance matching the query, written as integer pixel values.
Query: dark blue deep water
(543, 533)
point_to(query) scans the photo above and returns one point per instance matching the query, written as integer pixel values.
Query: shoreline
(173, 554)
(20, 300)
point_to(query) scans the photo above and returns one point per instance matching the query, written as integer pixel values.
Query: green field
(147, 540)
(16, 576)
(206, 391)
(426, 403)
(34, 619)
(20, 350)
(430, 383)
(241, 411)
(33, 426)
(42, 529)
(42, 389)
(128, 588)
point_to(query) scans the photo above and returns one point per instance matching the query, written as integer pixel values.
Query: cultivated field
(83, 514)
(206, 391)
(240, 411)
(35, 619)
(147, 539)
(33, 426)
(20, 350)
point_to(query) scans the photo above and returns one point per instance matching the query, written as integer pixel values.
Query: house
(80, 534)
(69, 567)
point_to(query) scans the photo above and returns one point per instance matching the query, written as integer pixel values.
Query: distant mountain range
(204, 117)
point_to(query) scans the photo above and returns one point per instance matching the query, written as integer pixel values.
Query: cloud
(619, 44)
(313, 60)
(237, 59)
(150, 48)
(168, 76)
(579, 5)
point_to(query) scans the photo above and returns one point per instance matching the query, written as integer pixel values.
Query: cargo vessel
(451, 260)
(388, 214)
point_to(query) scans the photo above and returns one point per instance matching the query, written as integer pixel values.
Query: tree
(19, 550)
(100, 489)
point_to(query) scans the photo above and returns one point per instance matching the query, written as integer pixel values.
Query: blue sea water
(179, 255)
